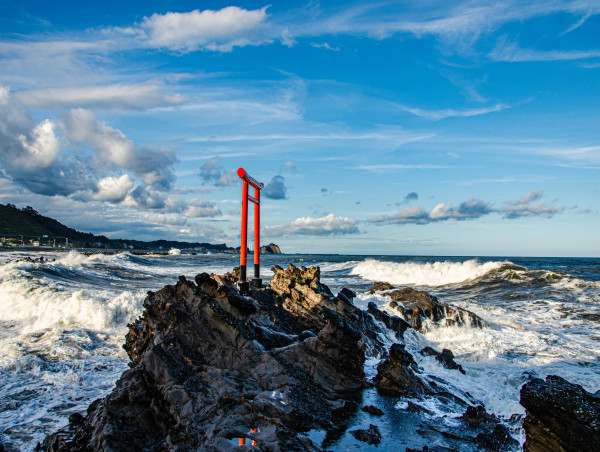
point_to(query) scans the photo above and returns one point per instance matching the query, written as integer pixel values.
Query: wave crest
(431, 274)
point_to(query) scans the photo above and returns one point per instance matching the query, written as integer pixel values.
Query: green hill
(30, 224)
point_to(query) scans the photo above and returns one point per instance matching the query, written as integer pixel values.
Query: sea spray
(424, 274)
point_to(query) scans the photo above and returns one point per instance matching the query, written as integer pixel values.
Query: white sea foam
(43, 304)
(60, 341)
(520, 343)
(424, 274)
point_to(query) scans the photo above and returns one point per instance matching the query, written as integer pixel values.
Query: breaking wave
(430, 274)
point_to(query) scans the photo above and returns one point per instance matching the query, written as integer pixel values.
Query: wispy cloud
(400, 137)
(111, 96)
(324, 45)
(212, 172)
(528, 207)
(451, 112)
(512, 53)
(386, 167)
(574, 153)
(457, 25)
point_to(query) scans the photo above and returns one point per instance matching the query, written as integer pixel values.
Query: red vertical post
(257, 282)
(258, 186)
(244, 244)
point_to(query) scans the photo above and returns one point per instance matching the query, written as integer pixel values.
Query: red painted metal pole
(244, 244)
(257, 281)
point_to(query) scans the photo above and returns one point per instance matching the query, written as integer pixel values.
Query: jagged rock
(349, 294)
(308, 300)
(209, 365)
(306, 297)
(75, 419)
(394, 323)
(379, 286)
(271, 248)
(372, 435)
(497, 440)
(397, 375)
(561, 416)
(415, 306)
(445, 358)
(372, 410)
(475, 415)
(333, 352)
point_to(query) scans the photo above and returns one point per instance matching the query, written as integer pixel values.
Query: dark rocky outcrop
(372, 410)
(271, 248)
(398, 375)
(371, 435)
(310, 302)
(379, 286)
(209, 365)
(415, 306)
(561, 416)
(445, 358)
(394, 323)
(498, 439)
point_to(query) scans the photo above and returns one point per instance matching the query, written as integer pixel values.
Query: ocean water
(63, 322)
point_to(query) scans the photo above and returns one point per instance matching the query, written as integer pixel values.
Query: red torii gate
(258, 186)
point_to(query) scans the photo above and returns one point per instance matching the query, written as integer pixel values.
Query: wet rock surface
(399, 375)
(561, 416)
(373, 410)
(416, 306)
(210, 366)
(445, 358)
(372, 435)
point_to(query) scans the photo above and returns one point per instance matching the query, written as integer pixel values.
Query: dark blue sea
(63, 322)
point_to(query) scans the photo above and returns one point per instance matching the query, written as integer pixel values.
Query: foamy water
(423, 274)
(62, 324)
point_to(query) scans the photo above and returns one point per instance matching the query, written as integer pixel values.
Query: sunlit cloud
(220, 30)
(322, 226)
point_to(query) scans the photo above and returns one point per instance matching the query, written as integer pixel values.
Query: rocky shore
(561, 416)
(212, 369)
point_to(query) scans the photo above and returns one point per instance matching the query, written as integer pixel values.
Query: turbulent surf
(63, 319)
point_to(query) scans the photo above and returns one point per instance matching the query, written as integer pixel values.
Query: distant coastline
(27, 230)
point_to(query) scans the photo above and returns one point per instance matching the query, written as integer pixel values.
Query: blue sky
(412, 127)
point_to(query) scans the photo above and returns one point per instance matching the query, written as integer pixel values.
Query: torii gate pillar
(258, 186)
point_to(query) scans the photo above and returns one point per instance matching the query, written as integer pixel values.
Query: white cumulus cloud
(210, 30)
(113, 189)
